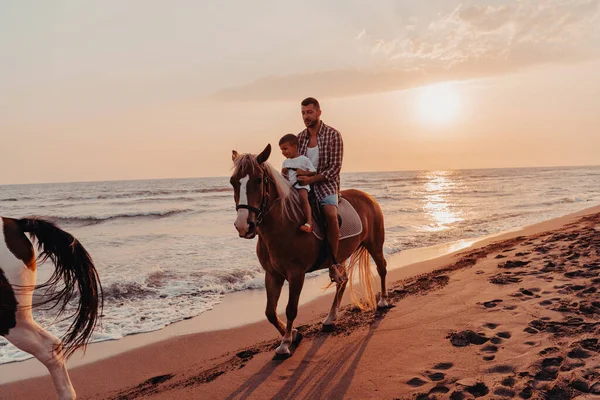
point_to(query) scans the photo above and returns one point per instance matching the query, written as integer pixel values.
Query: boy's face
(288, 150)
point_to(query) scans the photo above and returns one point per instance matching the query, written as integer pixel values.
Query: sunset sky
(153, 89)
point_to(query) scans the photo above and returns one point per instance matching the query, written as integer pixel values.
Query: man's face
(288, 150)
(310, 115)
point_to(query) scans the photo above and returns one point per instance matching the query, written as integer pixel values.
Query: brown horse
(268, 207)
(76, 271)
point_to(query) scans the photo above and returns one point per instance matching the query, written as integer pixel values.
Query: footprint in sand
(465, 338)
(502, 369)
(436, 376)
(496, 340)
(548, 350)
(491, 303)
(443, 366)
(416, 382)
(504, 392)
(490, 325)
(508, 382)
(490, 348)
(477, 390)
(441, 389)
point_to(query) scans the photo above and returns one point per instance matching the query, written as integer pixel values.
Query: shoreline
(249, 334)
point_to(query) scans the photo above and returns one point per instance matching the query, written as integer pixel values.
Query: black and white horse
(74, 267)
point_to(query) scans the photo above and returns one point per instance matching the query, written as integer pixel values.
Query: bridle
(261, 211)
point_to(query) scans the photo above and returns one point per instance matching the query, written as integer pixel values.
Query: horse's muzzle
(251, 230)
(250, 233)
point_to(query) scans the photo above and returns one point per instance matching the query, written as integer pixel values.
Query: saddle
(349, 223)
(348, 220)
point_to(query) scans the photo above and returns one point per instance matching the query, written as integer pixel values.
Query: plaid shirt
(331, 154)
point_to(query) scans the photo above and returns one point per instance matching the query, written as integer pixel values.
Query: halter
(260, 212)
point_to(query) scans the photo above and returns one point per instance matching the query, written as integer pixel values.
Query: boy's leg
(306, 205)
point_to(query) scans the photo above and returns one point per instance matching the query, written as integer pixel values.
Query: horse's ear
(264, 156)
(234, 155)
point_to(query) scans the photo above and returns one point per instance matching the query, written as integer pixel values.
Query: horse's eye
(232, 182)
(259, 180)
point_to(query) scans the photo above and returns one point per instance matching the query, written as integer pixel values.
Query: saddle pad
(351, 223)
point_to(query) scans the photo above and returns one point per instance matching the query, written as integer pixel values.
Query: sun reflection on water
(436, 204)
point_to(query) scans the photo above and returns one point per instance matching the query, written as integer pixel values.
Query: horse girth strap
(260, 212)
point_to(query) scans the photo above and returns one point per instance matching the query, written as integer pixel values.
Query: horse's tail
(75, 268)
(360, 262)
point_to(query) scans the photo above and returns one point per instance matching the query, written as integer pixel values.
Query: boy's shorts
(299, 186)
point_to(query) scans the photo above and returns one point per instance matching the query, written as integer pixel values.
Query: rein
(260, 212)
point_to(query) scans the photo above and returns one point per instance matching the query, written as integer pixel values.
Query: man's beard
(310, 124)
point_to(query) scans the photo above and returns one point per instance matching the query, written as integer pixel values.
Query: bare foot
(306, 228)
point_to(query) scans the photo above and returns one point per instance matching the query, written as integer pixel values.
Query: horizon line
(342, 173)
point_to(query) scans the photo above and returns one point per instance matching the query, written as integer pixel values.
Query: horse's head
(251, 190)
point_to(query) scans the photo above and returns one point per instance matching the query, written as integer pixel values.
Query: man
(323, 145)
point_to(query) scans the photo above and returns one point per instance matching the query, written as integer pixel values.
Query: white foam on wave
(150, 303)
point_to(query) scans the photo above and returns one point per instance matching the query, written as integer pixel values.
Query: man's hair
(311, 100)
(290, 138)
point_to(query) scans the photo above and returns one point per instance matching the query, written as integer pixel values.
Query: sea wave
(147, 194)
(92, 220)
(155, 200)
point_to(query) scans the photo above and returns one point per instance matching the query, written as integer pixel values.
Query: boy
(294, 162)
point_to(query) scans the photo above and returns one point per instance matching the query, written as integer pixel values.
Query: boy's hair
(311, 100)
(290, 138)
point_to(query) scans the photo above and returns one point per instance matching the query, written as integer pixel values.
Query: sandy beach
(514, 316)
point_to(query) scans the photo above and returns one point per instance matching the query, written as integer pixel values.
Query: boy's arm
(308, 170)
(303, 172)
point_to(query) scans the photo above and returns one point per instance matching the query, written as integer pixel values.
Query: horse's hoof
(280, 357)
(384, 305)
(297, 339)
(328, 328)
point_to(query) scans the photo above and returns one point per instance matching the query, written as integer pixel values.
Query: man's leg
(333, 229)
(336, 272)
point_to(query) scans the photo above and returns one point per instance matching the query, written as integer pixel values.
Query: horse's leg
(328, 323)
(375, 248)
(273, 285)
(47, 348)
(381, 263)
(32, 338)
(296, 282)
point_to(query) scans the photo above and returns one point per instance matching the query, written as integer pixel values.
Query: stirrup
(340, 273)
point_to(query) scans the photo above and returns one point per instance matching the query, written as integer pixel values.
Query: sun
(438, 104)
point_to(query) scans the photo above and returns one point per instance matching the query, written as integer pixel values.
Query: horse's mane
(290, 201)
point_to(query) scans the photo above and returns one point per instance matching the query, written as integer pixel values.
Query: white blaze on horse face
(241, 223)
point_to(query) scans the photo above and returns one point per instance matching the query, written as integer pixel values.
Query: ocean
(167, 250)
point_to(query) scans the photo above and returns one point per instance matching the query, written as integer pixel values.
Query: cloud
(469, 42)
